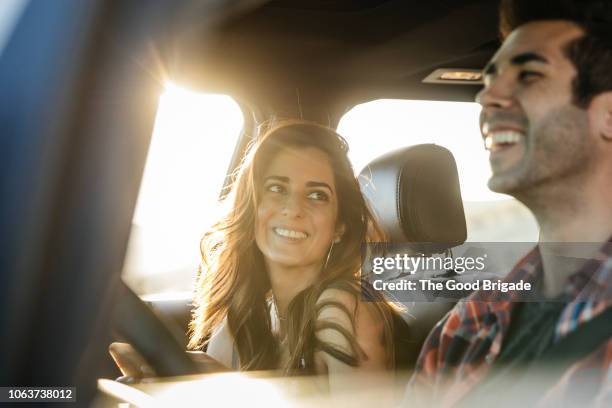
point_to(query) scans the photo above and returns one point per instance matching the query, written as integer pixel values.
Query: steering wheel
(135, 321)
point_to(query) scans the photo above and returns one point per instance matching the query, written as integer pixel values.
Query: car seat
(414, 194)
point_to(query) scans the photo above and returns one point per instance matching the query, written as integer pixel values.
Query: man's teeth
(502, 137)
(290, 233)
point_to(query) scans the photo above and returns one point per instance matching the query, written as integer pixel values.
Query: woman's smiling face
(297, 212)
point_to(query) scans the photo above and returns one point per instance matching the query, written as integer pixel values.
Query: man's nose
(496, 94)
(293, 206)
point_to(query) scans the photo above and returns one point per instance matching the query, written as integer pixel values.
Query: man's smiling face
(534, 133)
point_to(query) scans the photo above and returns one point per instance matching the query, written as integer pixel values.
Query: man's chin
(504, 184)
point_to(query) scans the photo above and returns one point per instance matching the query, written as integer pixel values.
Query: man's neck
(568, 223)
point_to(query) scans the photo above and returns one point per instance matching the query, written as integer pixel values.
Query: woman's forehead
(301, 164)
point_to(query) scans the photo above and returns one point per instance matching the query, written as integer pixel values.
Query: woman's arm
(221, 347)
(356, 328)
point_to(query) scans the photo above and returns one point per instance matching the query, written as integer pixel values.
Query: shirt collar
(590, 283)
(592, 279)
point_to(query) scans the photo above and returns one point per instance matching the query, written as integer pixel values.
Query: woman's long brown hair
(233, 283)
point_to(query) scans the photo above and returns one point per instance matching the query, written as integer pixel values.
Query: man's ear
(340, 229)
(602, 107)
(607, 132)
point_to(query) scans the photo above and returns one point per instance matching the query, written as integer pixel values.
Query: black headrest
(415, 195)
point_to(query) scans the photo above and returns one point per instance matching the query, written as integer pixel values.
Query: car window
(377, 127)
(10, 11)
(191, 147)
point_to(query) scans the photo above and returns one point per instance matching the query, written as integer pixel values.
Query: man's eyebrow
(520, 59)
(527, 57)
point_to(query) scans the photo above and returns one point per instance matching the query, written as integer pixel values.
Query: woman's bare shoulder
(349, 324)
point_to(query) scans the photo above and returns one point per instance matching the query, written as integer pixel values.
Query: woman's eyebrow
(319, 184)
(277, 178)
(308, 184)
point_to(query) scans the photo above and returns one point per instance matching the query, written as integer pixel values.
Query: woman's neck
(287, 282)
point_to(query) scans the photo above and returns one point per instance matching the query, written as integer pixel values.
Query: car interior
(81, 84)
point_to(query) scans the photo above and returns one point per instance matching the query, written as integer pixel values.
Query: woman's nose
(293, 206)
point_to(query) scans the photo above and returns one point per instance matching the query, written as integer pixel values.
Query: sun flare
(192, 143)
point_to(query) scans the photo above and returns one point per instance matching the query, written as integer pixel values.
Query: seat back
(414, 193)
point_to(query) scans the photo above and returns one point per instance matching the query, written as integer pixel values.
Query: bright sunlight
(397, 123)
(193, 142)
(191, 148)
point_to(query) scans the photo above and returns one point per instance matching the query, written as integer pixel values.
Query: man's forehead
(545, 38)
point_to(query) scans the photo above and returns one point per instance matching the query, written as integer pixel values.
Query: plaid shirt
(462, 347)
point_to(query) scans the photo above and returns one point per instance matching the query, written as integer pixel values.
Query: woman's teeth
(502, 139)
(290, 233)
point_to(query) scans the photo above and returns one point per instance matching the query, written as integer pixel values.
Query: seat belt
(582, 341)
(562, 355)
(553, 363)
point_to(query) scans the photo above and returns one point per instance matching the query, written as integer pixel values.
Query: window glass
(192, 144)
(377, 127)
(10, 11)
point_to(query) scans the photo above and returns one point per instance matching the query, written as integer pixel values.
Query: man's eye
(275, 188)
(318, 195)
(526, 76)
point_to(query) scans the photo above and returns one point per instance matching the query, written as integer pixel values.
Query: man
(547, 122)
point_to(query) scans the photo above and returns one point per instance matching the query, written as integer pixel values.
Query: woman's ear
(339, 233)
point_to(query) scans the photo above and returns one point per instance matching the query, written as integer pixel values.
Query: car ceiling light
(454, 76)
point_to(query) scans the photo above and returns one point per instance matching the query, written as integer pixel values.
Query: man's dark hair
(591, 54)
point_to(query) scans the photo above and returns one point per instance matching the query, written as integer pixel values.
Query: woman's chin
(287, 262)
(290, 261)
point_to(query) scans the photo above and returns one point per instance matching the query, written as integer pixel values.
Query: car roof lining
(295, 56)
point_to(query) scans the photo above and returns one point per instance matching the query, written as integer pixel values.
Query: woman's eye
(319, 195)
(275, 188)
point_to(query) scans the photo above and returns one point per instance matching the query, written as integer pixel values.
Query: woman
(279, 285)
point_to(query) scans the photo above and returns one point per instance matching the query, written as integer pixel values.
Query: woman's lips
(290, 234)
